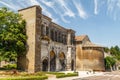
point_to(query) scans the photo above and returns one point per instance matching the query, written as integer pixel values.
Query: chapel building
(50, 47)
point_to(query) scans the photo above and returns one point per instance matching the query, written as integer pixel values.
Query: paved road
(115, 75)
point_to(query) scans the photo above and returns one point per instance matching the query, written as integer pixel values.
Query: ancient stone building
(50, 47)
(89, 56)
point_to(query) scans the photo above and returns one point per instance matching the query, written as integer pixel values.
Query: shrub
(66, 75)
(40, 73)
(10, 66)
(55, 73)
(27, 78)
(72, 74)
(60, 75)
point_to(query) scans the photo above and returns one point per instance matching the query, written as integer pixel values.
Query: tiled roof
(80, 38)
(87, 43)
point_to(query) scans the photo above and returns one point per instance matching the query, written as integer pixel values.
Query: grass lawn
(15, 75)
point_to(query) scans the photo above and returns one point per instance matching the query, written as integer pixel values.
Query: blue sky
(99, 19)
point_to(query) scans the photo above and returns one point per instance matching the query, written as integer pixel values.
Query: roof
(89, 44)
(80, 38)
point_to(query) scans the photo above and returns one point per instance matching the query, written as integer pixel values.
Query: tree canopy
(12, 34)
(115, 51)
(109, 61)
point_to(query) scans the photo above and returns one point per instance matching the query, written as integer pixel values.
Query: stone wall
(90, 59)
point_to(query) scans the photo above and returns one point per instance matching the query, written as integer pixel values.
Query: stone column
(68, 63)
(44, 30)
(57, 63)
(49, 60)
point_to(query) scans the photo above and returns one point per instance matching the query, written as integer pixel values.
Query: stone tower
(89, 56)
(31, 62)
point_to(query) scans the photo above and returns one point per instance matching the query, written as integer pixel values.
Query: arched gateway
(62, 61)
(45, 65)
(52, 61)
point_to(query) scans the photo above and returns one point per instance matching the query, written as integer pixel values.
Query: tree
(12, 35)
(115, 51)
(109, 62)
(106, 49)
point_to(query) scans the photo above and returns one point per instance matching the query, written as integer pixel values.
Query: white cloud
(49, 4)
(47, 13)
(55, 20)
(34, 2)
(10, 6)
(81, 11)
(95, 7)
(64, 20)
(110, 5)
(113, 9)
(64, 6)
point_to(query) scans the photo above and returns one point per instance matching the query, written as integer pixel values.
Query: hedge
(10, 66)
(66, 75)
(55, 73)
(27, 78)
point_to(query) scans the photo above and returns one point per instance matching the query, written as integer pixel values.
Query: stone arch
(62, 60)
(72, 64)
(45, 65)
(52, 61)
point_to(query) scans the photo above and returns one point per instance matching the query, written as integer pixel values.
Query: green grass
(34, 76)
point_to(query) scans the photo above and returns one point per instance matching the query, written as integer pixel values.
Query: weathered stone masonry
(50, 46)
(89, 56)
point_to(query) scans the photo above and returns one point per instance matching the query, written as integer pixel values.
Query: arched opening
(62, 61)
(45, 65)
(72, 65)
(52, 61)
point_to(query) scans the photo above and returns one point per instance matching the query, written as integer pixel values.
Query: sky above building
(99, 19)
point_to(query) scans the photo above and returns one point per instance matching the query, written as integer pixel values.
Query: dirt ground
(114, 75)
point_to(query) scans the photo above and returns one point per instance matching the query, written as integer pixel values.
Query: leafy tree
(115, 51)
(12, 34)
(109, 62)
(106, 49)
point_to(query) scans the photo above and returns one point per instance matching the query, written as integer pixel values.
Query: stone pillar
(68, 63)
(57, 63)
(48, 61)
(44, 28)
(70, 47)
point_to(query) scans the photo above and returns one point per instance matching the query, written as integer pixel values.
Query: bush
(60, 75)
(10, 66)
(66, 75)
(27, 78)
(55, 73)
(72, 74)
(39, 73)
